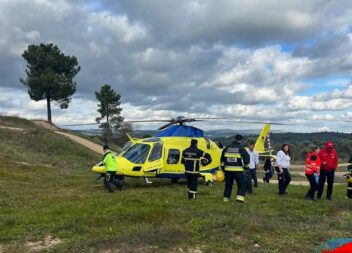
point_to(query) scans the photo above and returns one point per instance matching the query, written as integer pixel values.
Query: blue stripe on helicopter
(182, 175)
(181, 130)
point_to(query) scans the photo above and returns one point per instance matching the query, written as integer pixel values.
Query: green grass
(12, 121)
(39, 146)
(40, 201)
(54, 195)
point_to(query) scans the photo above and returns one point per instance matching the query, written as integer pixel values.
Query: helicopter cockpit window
(126, 146)
(173, 156)
(137, 153)
(156, 152)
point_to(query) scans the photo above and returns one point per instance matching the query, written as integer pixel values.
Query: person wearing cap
(109, 161)
(193, 158)
(329, 160)
(234, 159)
(283, 162)
(312, 171)
(251, 172)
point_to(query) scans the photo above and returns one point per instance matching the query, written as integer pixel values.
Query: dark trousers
(254, 177)
(110, 179)
(284, 180)
(192, 184)
(248, 178)
(313, 186)
(230, 176)
(267, 176)
(329, 175)
(349, 190)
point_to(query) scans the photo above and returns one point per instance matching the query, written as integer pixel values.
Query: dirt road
(84, 142)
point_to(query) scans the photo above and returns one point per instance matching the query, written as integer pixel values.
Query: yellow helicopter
(160, 156)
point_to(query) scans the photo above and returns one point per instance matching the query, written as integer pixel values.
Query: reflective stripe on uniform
(240, 198)
(192, 172)
(193, 192)
(233, 168)
(232, 155)
(349, 188)
(191, 159)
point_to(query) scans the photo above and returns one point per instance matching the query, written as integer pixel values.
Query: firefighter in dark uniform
(234, 159)
(349, 179)
(193, 158)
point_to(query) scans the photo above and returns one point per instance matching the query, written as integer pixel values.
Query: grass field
(39, 201)
(48, 198)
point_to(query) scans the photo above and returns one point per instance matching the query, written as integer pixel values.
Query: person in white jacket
(282, 167)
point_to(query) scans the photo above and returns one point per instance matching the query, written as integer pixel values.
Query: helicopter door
(154, 164)
(173, 162)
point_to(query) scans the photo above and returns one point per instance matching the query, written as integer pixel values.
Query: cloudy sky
(272, 60)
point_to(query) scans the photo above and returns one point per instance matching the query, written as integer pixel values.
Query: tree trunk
(48, 108)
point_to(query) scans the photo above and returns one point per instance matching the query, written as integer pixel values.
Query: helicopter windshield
(137, 153)
(126, 146)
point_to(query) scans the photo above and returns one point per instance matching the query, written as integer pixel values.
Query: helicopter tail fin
(260, 143)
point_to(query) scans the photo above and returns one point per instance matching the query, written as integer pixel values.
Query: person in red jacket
(329, 160)
(312, 171)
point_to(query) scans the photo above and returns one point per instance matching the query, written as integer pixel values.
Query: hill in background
(38, 146)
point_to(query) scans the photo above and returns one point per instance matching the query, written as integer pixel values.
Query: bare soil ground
(45, 244)
(88, 144)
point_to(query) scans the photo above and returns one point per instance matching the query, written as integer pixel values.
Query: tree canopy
(50, 75)
(109, 109)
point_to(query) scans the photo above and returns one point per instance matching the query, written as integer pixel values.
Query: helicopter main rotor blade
(257, 122)
(130, 121)
(166, 125)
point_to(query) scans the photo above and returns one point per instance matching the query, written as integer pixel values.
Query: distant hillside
(299, 142)
(38, 146)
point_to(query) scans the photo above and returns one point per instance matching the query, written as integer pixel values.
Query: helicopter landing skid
(147, 181)
(99, 177)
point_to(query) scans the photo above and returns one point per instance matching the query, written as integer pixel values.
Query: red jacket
(329, 159)
(312, 163)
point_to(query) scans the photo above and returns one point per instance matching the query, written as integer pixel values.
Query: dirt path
(293, 182)
(12, 128)
(88, 144)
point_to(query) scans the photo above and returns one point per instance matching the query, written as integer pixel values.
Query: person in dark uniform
(348, 177)
(234, 159)
(267, 170)
(193, 158)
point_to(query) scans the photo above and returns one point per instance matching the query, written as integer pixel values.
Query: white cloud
(324, 129)
(170, 58)
(119, 26)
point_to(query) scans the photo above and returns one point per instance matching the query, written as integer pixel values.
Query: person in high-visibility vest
(109, 161)
(193, 158)
(234, 159)
(312, 171)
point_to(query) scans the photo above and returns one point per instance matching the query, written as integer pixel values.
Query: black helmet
(105, 147)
